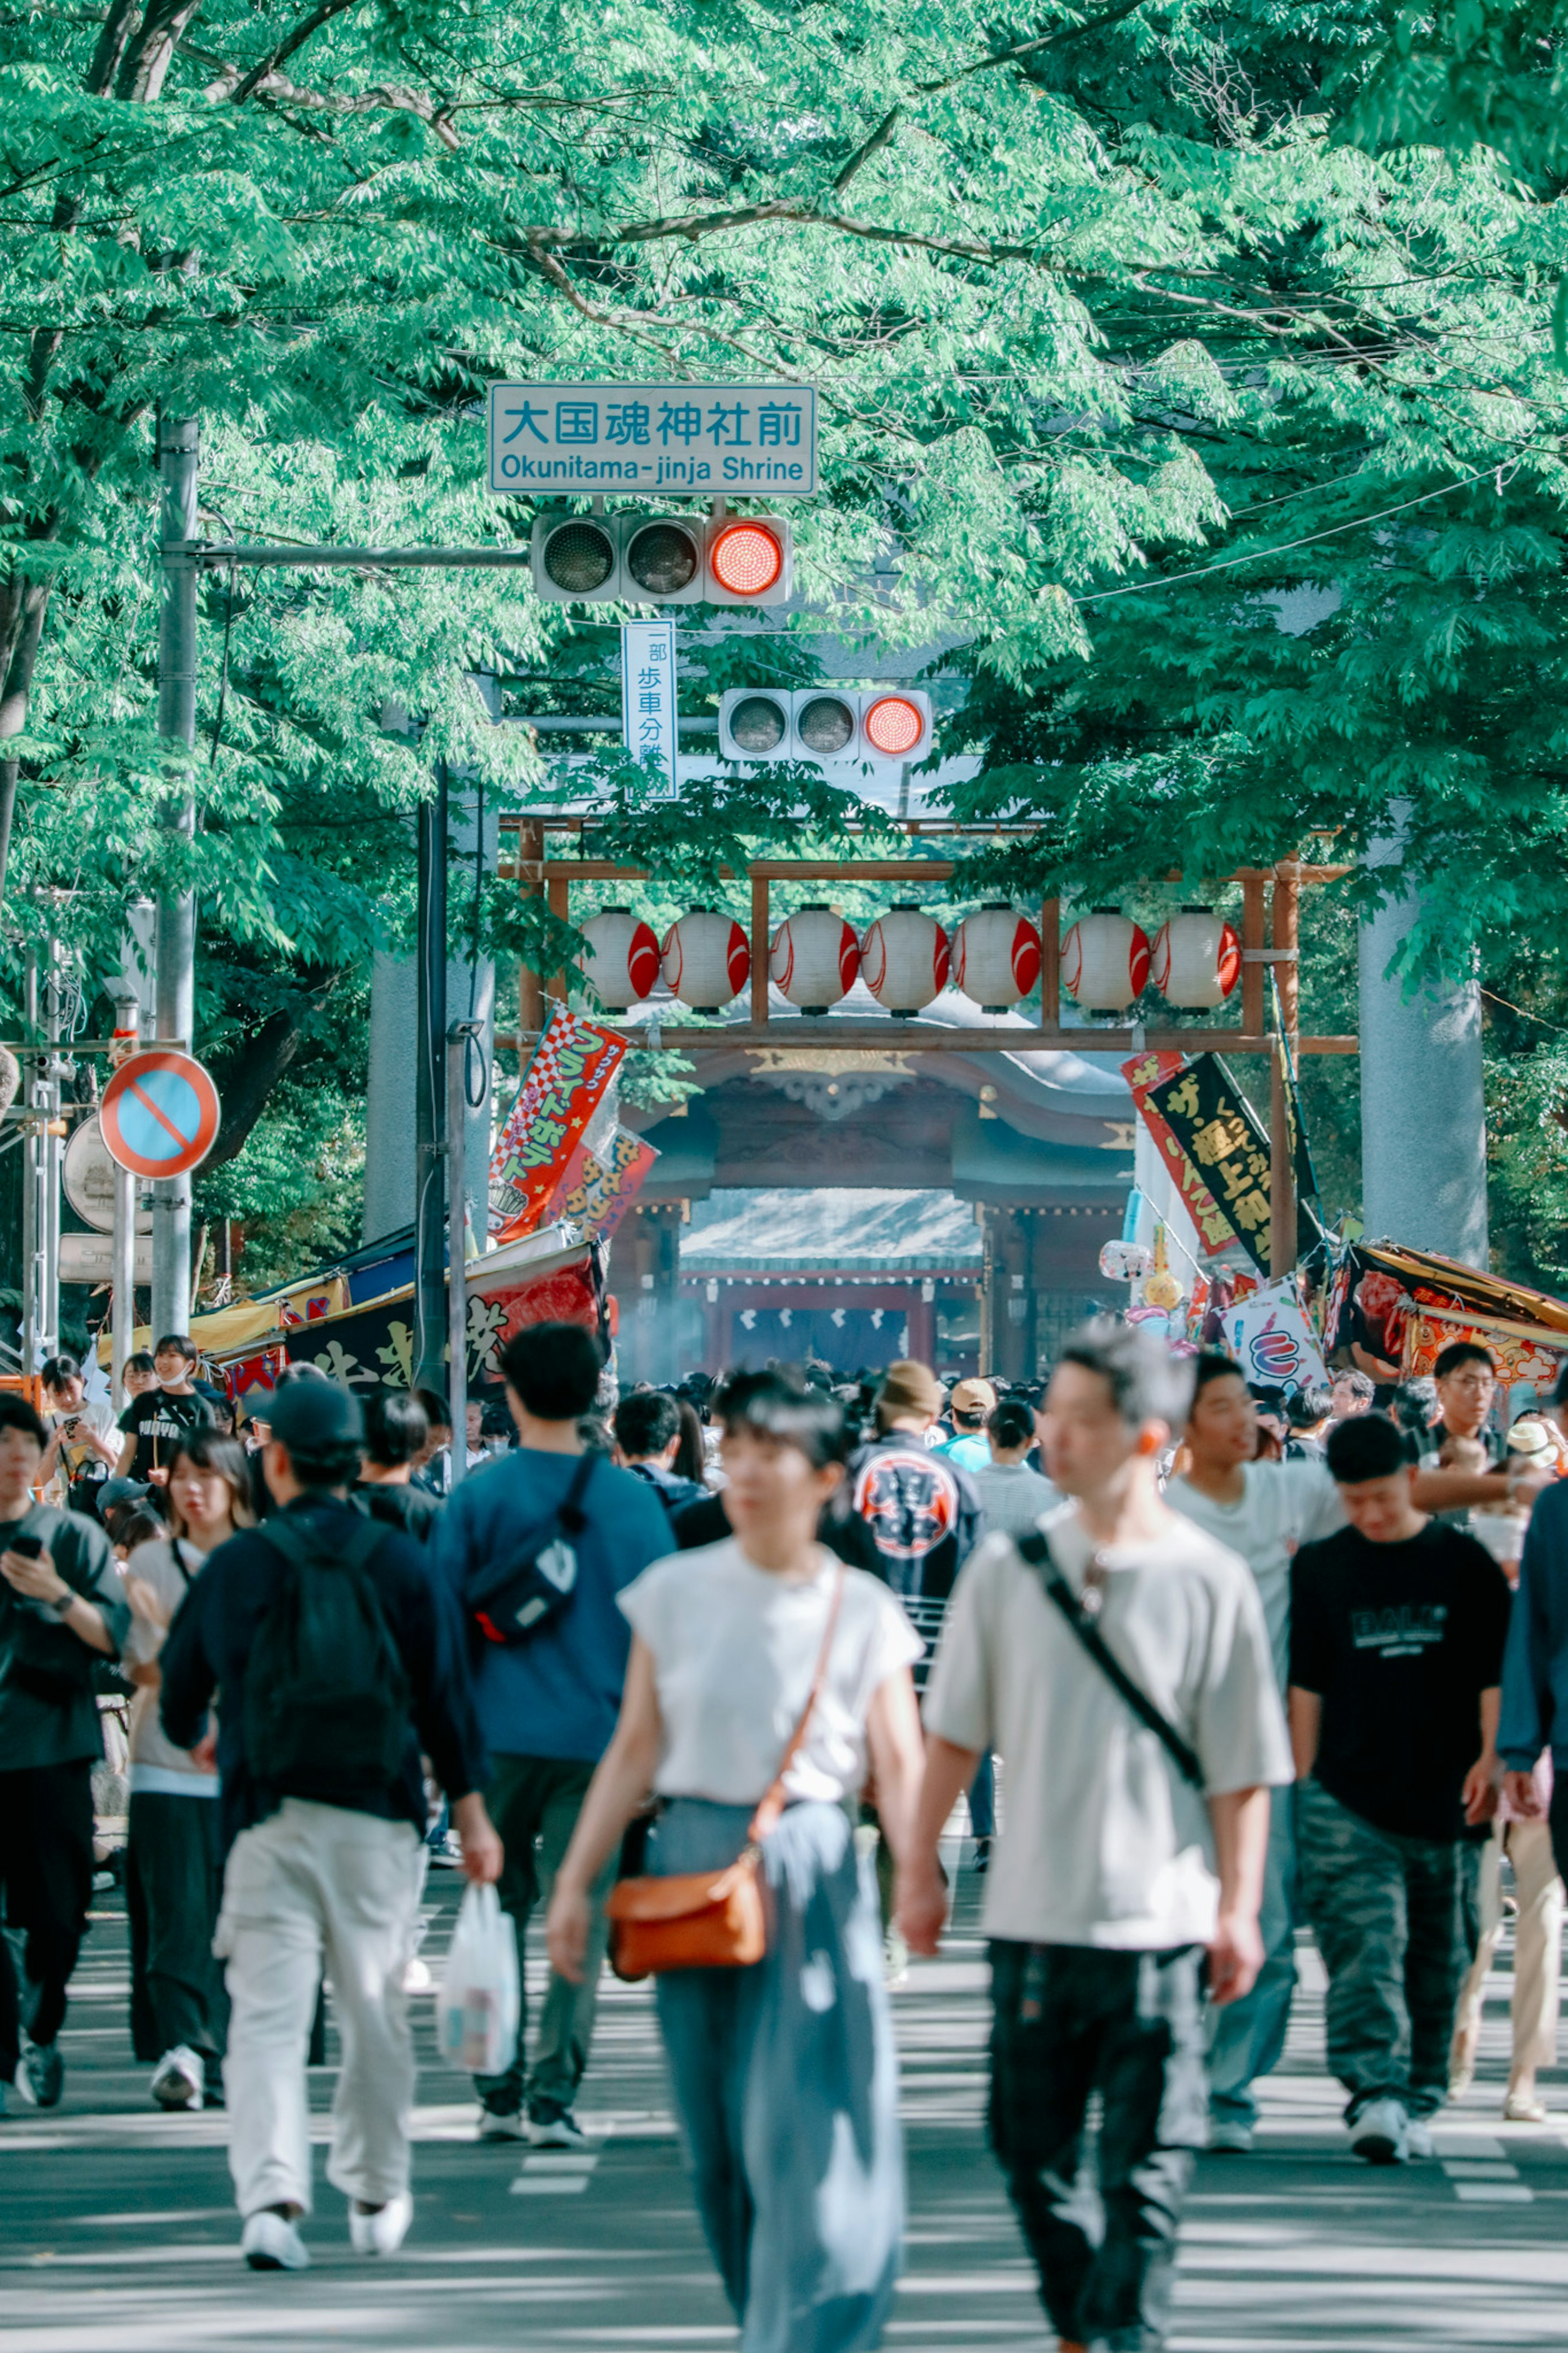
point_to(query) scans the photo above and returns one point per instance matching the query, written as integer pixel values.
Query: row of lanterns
(906, 959)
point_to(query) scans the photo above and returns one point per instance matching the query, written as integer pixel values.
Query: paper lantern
(706, 959)
(995, 956)
(1196, 959)
(622, 957)
(1105, 961)
(814, 958)
(904, 958)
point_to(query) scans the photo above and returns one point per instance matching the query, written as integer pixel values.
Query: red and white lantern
(1197, 958)
(621, 959)
(814, 959)
(995, 956)
(1105, 961)
(706, 959)
(904, 959)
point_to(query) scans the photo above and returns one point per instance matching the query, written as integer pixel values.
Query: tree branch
(249, 1085)
(804, 210)
(879, 139)
(1029, 49)
(287, 47)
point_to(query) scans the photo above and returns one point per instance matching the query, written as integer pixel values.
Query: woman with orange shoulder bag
(766, 1679)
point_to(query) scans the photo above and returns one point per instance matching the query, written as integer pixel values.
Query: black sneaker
(40, 2075)
(982, 1856)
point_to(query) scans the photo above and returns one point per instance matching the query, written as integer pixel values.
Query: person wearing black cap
(330, 1651)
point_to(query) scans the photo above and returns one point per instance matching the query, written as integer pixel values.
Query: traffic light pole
(176, 923)
(430, 1131)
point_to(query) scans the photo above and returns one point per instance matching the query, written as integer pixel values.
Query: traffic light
(653, 559)
(833, 726)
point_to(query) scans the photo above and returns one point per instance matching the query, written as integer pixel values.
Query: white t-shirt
(734, 1648)
(1285, 1505)
(1014, 1498)
(1106, 1843)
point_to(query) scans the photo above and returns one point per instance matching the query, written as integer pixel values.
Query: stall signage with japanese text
(562, 1088)
(682, 440)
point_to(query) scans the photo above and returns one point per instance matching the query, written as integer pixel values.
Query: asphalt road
(117, 2234)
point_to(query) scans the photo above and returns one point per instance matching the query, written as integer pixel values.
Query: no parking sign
(160, 1113)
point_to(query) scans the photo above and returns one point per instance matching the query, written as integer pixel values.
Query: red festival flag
(566, 1080)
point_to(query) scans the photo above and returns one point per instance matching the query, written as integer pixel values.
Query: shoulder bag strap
(771, 1804)
(569, 1513)
(1037, 1552)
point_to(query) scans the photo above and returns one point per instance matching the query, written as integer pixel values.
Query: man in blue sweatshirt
(548, 1704)
(1534, 1714)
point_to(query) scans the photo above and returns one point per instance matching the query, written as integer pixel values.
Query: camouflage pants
(1391, 1916)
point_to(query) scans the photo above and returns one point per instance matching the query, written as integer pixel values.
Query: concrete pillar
(394, 1044)
(1423, 1105)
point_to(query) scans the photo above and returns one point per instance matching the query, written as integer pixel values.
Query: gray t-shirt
(1013, 1498)
(1105, 1842)
(48, 1708)
(1282, 1506)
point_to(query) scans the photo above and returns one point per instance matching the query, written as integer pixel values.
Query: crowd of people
(674, 1663)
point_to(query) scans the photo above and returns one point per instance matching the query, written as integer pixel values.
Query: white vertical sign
(648, 696)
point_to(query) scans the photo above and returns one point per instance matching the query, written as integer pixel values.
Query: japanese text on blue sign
(647, 696)
(686, 440)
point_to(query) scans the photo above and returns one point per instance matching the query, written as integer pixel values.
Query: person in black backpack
(334, 1657)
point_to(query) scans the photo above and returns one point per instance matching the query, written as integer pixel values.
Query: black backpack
(538, 1584)
(326, 1692)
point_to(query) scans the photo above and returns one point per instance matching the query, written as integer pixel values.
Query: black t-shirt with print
(1399, 1641)
(158, 1417)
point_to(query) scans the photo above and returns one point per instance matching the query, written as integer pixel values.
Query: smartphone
(28, 1546)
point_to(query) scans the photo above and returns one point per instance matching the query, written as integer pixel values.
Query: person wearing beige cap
(969, 1405)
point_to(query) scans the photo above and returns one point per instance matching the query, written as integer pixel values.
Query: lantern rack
(1266, 892)
(1270, 929)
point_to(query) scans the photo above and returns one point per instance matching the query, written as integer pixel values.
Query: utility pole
(176, 930)
(123, 1301)
(429, 1104)
(458, 1037)
(32, 1158)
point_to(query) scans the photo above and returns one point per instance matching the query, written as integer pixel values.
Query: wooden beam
(1281, 1161)
(815, 1036)
(531, 857)
(1251, 941)
(761, 940)
(1051, 965)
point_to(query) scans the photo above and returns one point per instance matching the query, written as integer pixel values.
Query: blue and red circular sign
(160, 1113)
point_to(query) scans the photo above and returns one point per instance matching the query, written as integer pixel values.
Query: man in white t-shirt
(1116, 1875)
(1262, 1511)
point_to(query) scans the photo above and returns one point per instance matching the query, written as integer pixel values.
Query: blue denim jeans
(1391, 1917)
(1247, 2037)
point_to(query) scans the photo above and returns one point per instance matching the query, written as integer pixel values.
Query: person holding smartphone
(60, 1605)
(82, 1447)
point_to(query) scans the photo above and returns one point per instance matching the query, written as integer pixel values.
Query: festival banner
(568, 1075)
(1227, 1145)
(1271, 1340)
(1215, 1229)
(598, 1187)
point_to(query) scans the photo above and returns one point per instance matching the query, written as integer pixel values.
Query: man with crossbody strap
(1123, 1672)
(547, 1679)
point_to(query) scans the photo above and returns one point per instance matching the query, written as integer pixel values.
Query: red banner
(595, 1193)
(566, 1082)
(1145, 1071)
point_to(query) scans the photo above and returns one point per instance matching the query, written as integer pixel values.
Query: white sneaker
(1379, 2133)
(1229, 2136)
(1418, 2141)
(383, 2233)
(551, 2127)
(270, 2242)
(495, 2125)
(179, 2079)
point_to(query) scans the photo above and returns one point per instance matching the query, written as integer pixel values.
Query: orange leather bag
(711, 1919)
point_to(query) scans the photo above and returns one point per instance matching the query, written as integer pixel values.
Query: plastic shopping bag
(476, 2016)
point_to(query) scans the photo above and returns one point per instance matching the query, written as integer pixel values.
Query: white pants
(318, 1888)
(1537, 1950)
